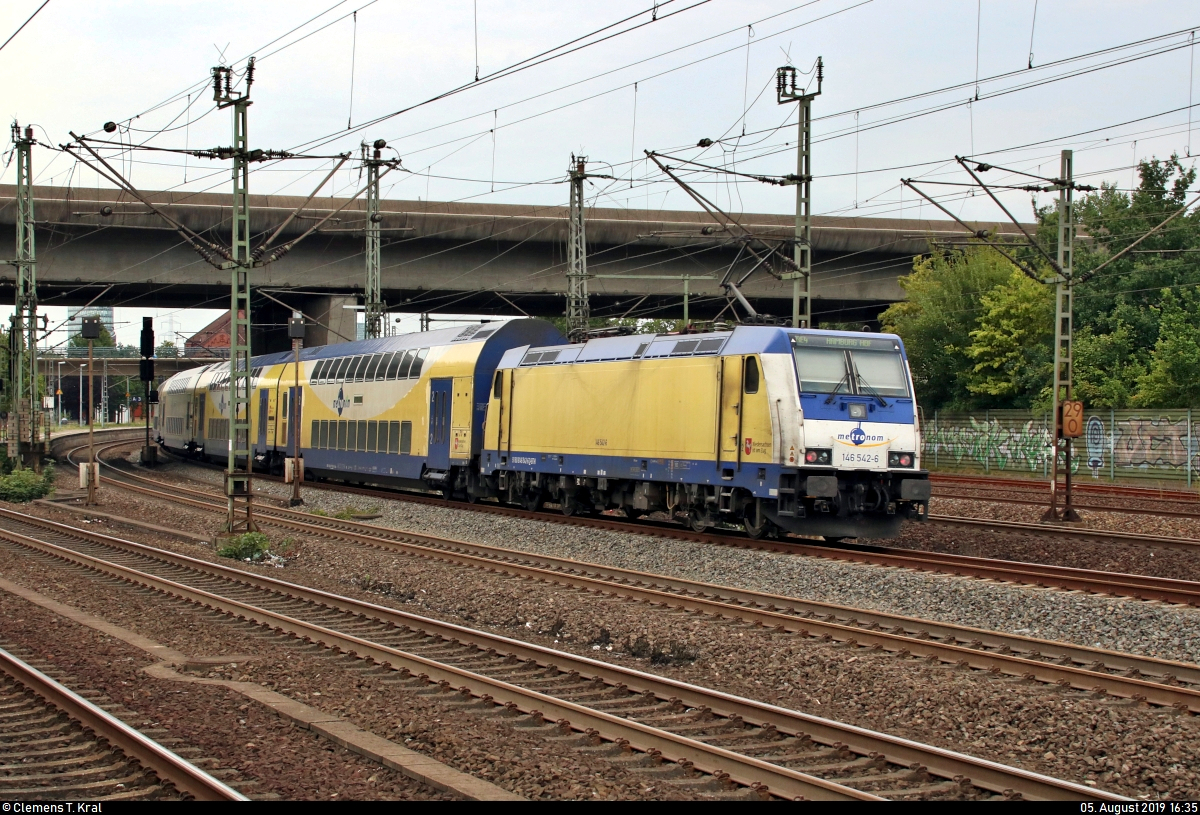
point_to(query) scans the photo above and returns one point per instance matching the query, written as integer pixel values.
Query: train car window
(355, 371)
(351, 436)
(393, 437)
(327, 366)
(418, 362)
(362, 437)
(381, 371)
(405, 438)
(315, 434)
(341, 435)
(750, 377)
(337, 368)
(393, 366)
(405, 364)
(323, 437)
(372, 366)
(372, 436)
(498, 387)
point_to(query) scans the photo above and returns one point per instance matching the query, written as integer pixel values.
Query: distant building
(212, 340)
(75, 321)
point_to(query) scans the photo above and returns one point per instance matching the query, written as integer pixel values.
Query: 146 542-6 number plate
(854, 458)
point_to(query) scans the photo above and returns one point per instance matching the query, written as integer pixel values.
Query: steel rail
(1094, 535)
(1121, 490)
(1143, 587)
(1010, 654)
(938, 761)
(169, 767)
(1039, 501)
(601, 578)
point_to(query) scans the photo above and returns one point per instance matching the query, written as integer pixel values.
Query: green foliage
(945, 297)
(166, 350)
(1174, 376)
(252, 546)
(1013, 347)
(22, 486)
(980, 336)
(638, 326)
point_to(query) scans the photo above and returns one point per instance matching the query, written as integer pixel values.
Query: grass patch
(251, 546)
(21, 486)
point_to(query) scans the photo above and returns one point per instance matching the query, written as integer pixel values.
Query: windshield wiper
(866, 387)
(845, 380)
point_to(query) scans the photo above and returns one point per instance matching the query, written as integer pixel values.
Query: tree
(945, 298)
(166, 350)
(1013, 347)
(1173, 380)
(1107, 366)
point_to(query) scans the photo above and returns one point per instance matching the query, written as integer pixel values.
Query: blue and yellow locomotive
(771, 428)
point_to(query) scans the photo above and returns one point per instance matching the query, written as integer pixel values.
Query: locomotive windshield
(872, 368)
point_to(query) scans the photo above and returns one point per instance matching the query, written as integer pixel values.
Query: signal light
(818, 456)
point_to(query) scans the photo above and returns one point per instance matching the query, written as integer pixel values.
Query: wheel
(698, 522)
(755, 522)
(472, 498)
(568, 506)
(532, 501)
(633, 514)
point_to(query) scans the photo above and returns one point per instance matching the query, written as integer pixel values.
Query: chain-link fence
(1160, 445)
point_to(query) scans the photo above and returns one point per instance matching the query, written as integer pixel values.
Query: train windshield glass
(880, 372)
(870, 372)
(822, 370)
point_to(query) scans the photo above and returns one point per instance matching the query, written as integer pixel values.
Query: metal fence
(1159, 445)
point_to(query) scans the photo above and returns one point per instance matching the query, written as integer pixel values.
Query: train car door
(729, 422)
(261, 447)
(440, 391)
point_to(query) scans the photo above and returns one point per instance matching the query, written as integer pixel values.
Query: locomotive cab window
(750, 377)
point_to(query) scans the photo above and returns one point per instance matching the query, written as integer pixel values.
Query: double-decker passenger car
(813, 432)
(396, 410)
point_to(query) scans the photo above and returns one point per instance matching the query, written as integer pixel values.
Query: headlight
(858, 411)
(816, 455)
(896, 459)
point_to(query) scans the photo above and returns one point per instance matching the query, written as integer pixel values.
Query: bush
(251, 546)
(21, 486)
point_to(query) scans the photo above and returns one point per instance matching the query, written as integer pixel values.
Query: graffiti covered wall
(1160, 445)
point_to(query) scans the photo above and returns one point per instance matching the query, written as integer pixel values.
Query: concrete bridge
(449, 257)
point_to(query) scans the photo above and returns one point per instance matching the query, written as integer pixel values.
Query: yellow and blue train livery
(396, 410)
(813, 432)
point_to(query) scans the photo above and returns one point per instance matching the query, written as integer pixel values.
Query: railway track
(668, 726)
(1041, 500)
(1115, 490)
(1158, 682)
(1142, 587)
(56, 745)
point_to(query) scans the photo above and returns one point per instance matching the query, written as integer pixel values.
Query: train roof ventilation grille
(468, 332)
(710, 346)
(684, 347)
(487, 332)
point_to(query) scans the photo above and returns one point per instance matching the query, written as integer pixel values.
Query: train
(767, 428)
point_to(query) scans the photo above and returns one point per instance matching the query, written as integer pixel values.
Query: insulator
(249, 74)
(228, 82)
(820, 70)
(780, 81)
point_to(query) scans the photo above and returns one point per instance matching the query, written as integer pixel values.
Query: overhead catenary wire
(13, 36)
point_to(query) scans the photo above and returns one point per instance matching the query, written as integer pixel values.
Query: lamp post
(90, 330)
(82, 365)
(58, 397)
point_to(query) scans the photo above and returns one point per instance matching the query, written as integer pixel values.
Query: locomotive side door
(729, 423)
(440, 392)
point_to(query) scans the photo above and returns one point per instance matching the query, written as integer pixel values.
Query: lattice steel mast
(786, 92)
(25, 443)
(373, 305)
(578, 311)
(238, 472)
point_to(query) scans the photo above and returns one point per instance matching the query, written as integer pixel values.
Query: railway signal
(89, 472)
(146, 374)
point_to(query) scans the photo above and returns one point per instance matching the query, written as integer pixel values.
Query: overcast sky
(703, 70)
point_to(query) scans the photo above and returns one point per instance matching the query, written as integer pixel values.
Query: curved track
(771, 750)
(56, 745)
(1156, 681)
(1143, 587)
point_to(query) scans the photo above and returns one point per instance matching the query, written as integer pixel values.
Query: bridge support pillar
(330, 319)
